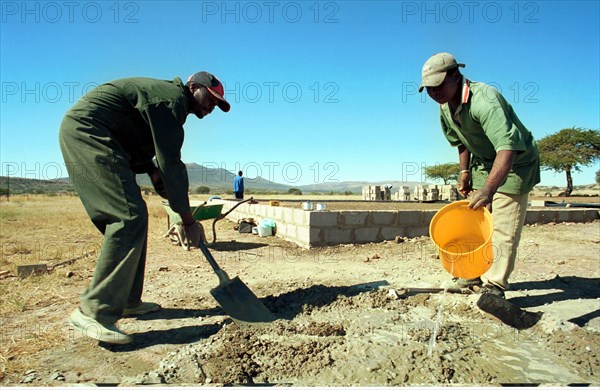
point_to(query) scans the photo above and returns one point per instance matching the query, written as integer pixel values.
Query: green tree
(568, 150)
(294, 191)
(203, 190)
(447, 172)
(597, 177)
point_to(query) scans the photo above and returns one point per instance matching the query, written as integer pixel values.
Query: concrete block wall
(322, 228)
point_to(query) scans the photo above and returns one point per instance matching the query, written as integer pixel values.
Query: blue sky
(320, 91)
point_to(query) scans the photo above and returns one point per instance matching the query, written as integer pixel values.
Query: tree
(294, 191)
(447, 172)
(202, 190)
(597, 177)
(568, 150)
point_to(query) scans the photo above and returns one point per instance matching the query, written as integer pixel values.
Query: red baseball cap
(213, 85)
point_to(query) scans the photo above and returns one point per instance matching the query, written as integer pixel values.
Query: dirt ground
(342, 318)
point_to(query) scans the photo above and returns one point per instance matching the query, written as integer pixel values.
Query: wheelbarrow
(201, 211)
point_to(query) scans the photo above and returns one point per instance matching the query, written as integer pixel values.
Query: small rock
(70, 274)
(373, 368)
(208, 380)
(30, 376)
(393, 294)
(150, 378)
(375, 256)
(398, 240)
(57, 376)
(163, 269)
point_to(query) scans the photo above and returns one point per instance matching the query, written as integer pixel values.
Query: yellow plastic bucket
(463, 238)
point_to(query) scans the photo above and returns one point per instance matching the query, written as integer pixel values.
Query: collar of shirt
(466, 92)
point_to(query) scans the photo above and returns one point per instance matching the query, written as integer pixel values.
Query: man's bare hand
(463, 184)
(193, 234)
(481, 197)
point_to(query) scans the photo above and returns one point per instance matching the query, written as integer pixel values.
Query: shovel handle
(213, 263)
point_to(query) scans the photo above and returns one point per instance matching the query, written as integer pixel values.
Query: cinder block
(323, 218)
(280, 229)
(383, 218)
(417, 231)
(277, 212)
(532, 216)
(291, 231)
(337, 235)
(389, 233)
(301, 217)
(288, 215)
(408, 217)
(426, 217)
(367, 234)
(308, 235)
(354, 218)
(549, 216)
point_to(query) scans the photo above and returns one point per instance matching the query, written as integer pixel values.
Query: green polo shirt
(485, 123)
(145, 119)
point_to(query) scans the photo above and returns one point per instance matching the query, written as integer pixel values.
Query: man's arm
(502, 166)
(167, 133)
(464, 176)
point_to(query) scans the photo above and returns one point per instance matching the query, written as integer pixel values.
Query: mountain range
(217, 179)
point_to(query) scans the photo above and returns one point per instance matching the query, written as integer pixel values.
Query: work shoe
(493, 290)
(141, 309)
(89, 327)
(467, 283)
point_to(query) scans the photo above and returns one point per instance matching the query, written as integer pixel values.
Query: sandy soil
(342, 319)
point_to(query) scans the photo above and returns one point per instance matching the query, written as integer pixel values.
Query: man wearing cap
(498, 158)
(112, 133)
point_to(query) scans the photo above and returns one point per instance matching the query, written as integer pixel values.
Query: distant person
(109, 135)
(238, 186)
(498, 158)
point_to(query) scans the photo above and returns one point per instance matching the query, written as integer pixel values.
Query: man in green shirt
(111, 134)
(498, 157)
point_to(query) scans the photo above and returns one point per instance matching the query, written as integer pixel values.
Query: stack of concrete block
(371, 193)
(433, 193)
(376, 193)
(386, 193)
(420, 192)
(402, 194)
(449, 192)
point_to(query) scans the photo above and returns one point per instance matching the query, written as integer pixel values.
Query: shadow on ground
(571, 288)
(232, 246)
(181, 335)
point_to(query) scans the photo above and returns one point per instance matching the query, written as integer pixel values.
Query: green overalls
(108, 136)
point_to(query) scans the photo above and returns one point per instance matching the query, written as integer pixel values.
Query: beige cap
(434, 69)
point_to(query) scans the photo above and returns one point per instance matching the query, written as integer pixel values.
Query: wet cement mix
(365, 336)
(342, 318)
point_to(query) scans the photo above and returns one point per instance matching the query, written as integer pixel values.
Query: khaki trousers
(509, 213)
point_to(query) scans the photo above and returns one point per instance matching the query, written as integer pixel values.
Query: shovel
(235, 297)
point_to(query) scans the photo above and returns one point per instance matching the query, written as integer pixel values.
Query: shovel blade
(240, 303)
(508, 312)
